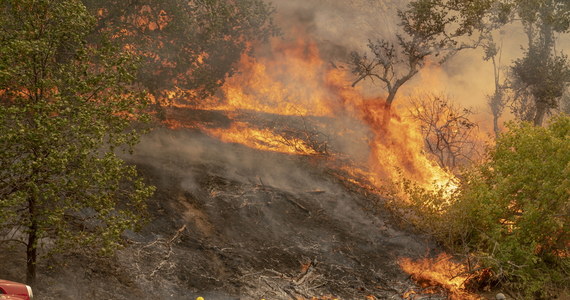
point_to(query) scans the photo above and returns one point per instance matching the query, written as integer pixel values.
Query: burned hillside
(229, 222)
(284, 149)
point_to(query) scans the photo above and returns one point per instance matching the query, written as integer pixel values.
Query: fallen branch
(307, 273)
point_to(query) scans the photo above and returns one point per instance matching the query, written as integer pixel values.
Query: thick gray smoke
(340, 25)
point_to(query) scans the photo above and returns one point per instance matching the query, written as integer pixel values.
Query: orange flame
(293, 80)
(438, 272)
(262, 139)
(289, 83)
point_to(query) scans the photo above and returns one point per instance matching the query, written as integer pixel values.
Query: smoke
(182, 153)
(340, 27)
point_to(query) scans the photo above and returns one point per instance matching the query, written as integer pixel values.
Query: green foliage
(512, 212)
(445, 19)
(66, 108)
(546, 75)
(541, 76)
(517, 206)
(431, 30)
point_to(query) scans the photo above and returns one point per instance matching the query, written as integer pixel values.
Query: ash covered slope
(230, 222)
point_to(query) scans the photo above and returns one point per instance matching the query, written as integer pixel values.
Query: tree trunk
(496, 102)
(388, 110)
(540, 112)
(496, 128)
(31, 248)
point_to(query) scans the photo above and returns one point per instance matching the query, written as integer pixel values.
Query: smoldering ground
(254, 221)
(230, 222)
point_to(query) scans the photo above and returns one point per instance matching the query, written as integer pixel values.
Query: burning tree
(187, 47)
(446, 128)
(433, 31)
(65, 108)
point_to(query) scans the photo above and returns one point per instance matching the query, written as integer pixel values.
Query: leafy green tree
(186, 46)
(542, 73)
(66, 108)
(546, 76)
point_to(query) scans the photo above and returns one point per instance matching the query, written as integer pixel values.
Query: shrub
(512, 211)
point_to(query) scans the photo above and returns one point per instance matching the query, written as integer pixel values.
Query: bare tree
(447, 130)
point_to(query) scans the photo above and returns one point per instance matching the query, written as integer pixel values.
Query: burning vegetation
(304, 101)
(281, 170)
(440, 275)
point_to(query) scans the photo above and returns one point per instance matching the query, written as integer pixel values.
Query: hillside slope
(229, 222)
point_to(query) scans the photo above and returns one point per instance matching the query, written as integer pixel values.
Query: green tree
(545, 76)
(186, 46)
(542, 72)
(66, 108)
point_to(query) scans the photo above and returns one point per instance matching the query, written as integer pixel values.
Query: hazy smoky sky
(342, 26)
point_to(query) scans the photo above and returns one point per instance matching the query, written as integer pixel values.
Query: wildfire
(294, 80)
(437, 273)
(289, 83)
(262, 139)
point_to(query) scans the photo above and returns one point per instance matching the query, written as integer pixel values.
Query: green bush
(512, 211)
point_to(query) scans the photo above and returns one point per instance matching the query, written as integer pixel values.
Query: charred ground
(229, 222)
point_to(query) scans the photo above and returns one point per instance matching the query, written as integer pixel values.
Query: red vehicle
(10, 290)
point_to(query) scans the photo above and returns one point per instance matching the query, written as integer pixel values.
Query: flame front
(293, 80)
(290, 82)
(262, 139)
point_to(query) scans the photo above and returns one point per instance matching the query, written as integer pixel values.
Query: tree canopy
(542, 71)
(66, 108)
(186, 46)
(431, 30)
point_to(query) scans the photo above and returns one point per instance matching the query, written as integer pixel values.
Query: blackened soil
(229, 222)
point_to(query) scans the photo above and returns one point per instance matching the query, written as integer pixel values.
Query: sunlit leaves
(66, 108)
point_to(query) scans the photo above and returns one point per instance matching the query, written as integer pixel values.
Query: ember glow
(436, 274)
(290, 82)
(262, 139)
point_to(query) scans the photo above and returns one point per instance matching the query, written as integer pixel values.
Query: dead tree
(447, 130)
